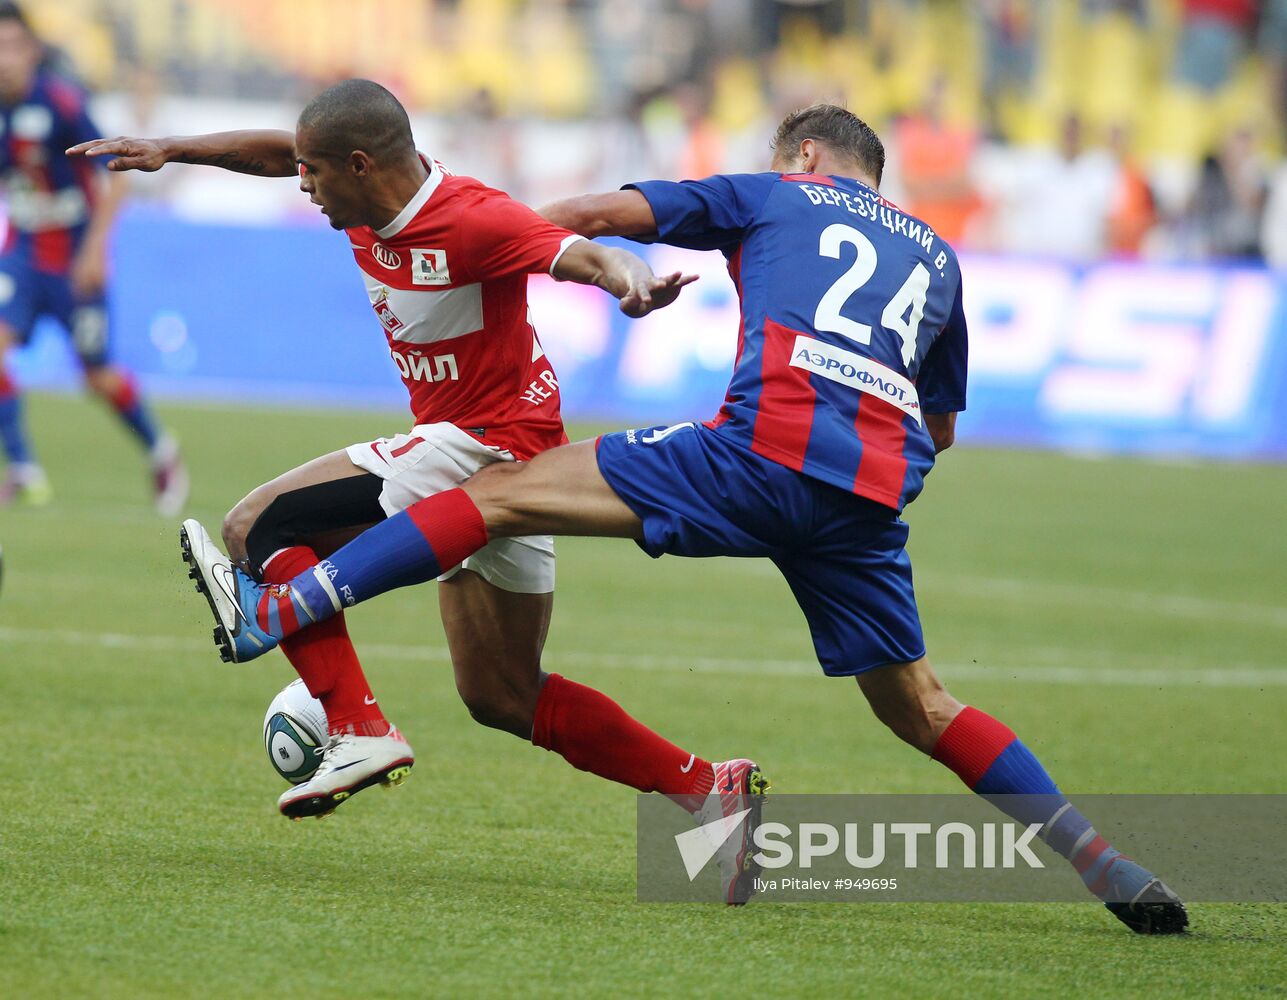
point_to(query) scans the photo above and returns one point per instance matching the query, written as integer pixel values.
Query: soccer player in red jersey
(851, 368)
(445, 260)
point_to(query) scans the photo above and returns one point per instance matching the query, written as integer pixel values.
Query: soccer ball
(294, 730)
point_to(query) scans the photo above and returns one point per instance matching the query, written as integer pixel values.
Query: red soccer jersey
(448, 281)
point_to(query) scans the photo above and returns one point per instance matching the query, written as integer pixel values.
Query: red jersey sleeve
(501, 236)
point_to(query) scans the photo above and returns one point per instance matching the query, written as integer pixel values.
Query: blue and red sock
(993, 762)
(414, 546)
(326, 660)
(129, 406)
(13, 435)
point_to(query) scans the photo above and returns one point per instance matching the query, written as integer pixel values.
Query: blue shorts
(699, 494)
(27, 293)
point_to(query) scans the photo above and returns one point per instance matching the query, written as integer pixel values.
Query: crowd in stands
(1076, 129)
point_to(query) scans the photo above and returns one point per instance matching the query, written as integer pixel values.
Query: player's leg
(853, 581)
(272, 533)
(87, 323)
(993, 762)
(496, 611)
(585, 490)
(429, 460)
(286, 525)
(496, 637)
(277, 528)
(24, 479)
(561, 491)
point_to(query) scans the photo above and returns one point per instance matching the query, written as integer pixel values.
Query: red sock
(595, 734)
(326, 660)
(971, 744)
(126, 395)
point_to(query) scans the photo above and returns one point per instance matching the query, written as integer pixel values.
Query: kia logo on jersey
(385, 256)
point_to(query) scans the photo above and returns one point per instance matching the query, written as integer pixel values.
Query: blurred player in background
(54, 260)
(851, 368)
(445, 260)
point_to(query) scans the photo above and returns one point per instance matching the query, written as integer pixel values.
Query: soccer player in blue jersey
(53, 261)
(850, 370)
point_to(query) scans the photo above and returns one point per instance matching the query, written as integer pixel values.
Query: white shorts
(433, 458)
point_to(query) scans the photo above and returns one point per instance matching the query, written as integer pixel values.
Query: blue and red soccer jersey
(50, 197)
(851, 332)
(49, 194)
(852, 327)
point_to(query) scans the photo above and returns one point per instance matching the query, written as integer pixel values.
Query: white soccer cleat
(26, 484)
(740, 786)
(170, 481)
(232, 595)
(349, 764)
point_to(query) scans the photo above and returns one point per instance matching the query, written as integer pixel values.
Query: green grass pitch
(1125, 617)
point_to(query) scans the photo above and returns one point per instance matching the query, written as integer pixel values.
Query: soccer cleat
(170, 481)
(1141, 900)
(739, 785)
(26, 485)
(349, 764)
(232, 595)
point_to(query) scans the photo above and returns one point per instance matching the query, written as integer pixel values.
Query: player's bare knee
(908, 721)
(922, 720)
(496, 707)
(499, 694)
(499, 716)
(237, 524)
(499, 494)
(911, 700)
(100, 380)
(937, 710)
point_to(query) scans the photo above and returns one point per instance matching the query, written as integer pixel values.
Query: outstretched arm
(262, 152)
(621, 274)
(617, 213)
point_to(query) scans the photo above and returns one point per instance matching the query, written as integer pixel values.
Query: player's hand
(88, 273)
(655, 293)
(128, 154)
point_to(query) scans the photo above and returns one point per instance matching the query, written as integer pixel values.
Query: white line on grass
(1176, 605)
(1046, 592)
(1024, 591)
(1226, 677)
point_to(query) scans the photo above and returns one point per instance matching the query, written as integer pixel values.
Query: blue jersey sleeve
(710, 214)
(940, 383)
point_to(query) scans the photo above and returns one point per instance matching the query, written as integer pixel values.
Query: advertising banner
(1117, 357)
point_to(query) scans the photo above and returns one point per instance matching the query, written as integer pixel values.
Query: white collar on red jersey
(418, 201)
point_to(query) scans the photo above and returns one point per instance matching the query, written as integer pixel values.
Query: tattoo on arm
(231, 160)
